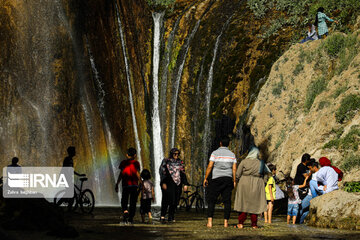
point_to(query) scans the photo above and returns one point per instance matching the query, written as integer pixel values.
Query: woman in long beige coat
(250, 192)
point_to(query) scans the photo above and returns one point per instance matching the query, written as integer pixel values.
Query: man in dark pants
(130, 177)
(223, 166)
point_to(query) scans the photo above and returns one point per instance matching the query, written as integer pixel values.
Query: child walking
(129, 176)
(147, 195)
(270, 192)
(293, 199)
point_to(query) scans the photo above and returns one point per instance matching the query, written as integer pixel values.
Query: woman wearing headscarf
(325, 162)
(320, 22)
(250, 195)
(172, 177)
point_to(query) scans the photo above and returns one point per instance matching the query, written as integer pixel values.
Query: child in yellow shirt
(270, 190)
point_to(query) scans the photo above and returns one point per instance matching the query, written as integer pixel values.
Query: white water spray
(155, 119)
(177, 84)
(128, 78)
(110, 143)
(208, 96)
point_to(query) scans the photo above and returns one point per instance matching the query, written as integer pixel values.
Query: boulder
(337, 209)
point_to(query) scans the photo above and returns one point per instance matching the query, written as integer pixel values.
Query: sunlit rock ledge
(338, 209)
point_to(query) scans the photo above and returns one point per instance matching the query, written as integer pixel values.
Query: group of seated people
(314, 179)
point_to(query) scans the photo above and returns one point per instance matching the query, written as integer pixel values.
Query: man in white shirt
(327, 177)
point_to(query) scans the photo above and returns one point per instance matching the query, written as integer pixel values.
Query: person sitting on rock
(325, 176)
(311, 34)
(326, 162)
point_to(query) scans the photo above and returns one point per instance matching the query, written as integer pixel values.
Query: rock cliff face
(310, 103)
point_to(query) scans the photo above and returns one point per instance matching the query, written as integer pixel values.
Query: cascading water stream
(155, 118)
(90, 118)
(164, 79)
(128, 78)
(208, 96)
(110, 143)
(197, 110)
(177, 83)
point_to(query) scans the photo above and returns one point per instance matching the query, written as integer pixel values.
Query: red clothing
(129, 169)
(242, 217)
(326, 162)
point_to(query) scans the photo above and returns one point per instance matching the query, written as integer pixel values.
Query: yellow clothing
(271, 181)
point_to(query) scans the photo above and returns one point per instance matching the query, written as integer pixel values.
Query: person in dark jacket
(172, 178)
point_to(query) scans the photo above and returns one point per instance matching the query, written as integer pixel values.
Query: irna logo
(38, 182)
(16, 180)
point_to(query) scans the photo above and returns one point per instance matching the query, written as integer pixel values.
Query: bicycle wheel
(200, 205)
(87, 201)
(183, 204)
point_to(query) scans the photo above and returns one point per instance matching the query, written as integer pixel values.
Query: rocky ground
(105, 224)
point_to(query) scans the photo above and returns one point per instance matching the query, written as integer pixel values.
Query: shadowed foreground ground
(105, 224)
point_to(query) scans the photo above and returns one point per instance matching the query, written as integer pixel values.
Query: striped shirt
(223, 160)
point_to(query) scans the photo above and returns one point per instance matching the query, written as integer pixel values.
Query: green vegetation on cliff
(314, 89)
(350, 142)
(296, 14)
(163, 3)
(350, 105)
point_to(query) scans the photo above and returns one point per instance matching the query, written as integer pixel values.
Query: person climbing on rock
(129, 176)
(320, 22)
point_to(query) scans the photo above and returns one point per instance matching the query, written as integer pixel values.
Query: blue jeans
(293, 209)
(315, 191)
(306, 39)
(305, 206)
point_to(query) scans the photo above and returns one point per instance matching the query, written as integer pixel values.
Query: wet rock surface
(337, 209)
(104, 224)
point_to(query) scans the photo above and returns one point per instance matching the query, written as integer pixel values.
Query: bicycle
(84, 198)
(187, 202)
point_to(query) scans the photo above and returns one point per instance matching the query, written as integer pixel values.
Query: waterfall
(110, 143)
(128, 78)
(177, 83)
(155, 118)
(196, 113)
(208, 96)
(164, 79)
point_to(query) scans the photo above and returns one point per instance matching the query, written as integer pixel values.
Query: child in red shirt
(130, 177)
